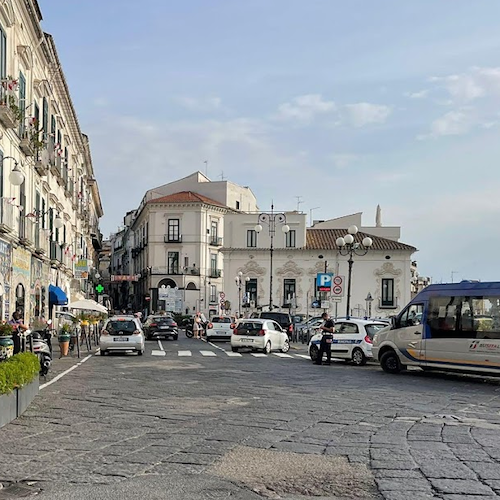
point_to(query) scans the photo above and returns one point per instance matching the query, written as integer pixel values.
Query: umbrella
(89, 305)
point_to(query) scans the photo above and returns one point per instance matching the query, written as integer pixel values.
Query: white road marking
(184, 353)
(282, 355)
(216, 346)
(57, 377)
(259, 354)
(158, 353)
(208, 353)
(234, 354)
(160, 345)
(305, 356)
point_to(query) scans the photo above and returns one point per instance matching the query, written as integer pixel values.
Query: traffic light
(99, 288)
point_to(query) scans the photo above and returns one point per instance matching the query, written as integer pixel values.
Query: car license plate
(247, 340)
(120, 339)
(163, 327)
(221, 332)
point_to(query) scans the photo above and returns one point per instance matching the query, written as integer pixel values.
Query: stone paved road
(250, 427)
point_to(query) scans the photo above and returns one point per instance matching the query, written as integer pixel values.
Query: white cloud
(418, 95)
(364, 113)
(452, 123)
(305, 108)
(344, 160)
(198, 104)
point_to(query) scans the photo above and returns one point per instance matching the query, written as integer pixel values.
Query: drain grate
(18, 491)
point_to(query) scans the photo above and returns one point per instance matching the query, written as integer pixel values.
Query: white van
(454, 326)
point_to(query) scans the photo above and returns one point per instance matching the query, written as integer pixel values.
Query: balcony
(215, 273)
(172, 239)
(41, 240)
(27, 231)
(56, 253)
(166, 271)
(6, 216)
(26, 144)
(216, 241)
(193, 271)
(9, 107)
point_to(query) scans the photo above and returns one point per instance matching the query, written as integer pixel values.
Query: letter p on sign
(324, 282)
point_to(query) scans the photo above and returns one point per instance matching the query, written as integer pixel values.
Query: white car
(259, 334)
(352, 340)
(221, 327)
(121, 334)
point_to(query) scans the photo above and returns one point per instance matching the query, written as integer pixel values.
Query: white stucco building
(382, 274)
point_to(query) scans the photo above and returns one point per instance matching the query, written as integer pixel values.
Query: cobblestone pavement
(144, 426)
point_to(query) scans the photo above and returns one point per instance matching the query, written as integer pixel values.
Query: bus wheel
(390, 363)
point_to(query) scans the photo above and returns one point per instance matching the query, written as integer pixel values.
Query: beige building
(50, 204)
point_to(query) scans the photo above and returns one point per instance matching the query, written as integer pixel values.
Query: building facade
(49, 199)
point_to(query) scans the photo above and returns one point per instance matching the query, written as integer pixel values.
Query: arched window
(167, 282)
(191, 286)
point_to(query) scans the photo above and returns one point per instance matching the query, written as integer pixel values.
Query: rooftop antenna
(222, 178)
(452, 275)
(299, 201)
(206, 167)
(311, 215)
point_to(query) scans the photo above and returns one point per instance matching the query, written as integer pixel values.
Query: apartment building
(49, 198)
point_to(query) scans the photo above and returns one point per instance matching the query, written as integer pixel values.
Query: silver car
(121, 334)
(259, 334)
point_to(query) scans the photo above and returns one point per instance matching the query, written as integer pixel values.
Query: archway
(191, 286)
(167, 282)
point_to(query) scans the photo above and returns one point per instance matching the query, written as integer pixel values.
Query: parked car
(352, 340)
(160, 326)
(120, 334)
(304, 330)
(259, 334)
(283, 319)
(221, 327)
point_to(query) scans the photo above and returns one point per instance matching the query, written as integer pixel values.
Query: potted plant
(6, 342)
(64, 338)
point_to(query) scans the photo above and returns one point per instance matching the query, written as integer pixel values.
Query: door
(276, 335)
(345, 339)
(408, 335)
(461, 333)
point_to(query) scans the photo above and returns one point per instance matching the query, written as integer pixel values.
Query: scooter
(42, 347)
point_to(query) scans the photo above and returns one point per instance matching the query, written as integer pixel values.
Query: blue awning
(56, 296)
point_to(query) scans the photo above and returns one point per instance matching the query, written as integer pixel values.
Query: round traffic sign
(337, 280)
(222, 295)
(337, 290)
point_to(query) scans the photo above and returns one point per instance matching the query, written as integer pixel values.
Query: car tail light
(153, 324)
(262, 332)
(368, 340)
(174, 324)
(290, 329)
(235, 331)
(104, 332)
(137, 332)
(210, 326)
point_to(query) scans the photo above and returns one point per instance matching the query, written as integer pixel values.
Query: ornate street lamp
(272, 219)
(16, 177)
(347, 246)
(239, 282)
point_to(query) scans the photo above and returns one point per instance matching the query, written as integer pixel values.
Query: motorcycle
(188, 327)
(42, 347)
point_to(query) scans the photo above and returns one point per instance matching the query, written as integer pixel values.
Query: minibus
(454, 326)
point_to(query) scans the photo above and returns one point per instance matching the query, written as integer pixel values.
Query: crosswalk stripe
(184, 353)
(208, 353)
(282, 355)
(259, 354)
(234, 354)
(158, 353)
(305, 356)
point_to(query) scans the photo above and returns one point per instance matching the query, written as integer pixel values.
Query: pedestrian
(197, 326)
(325, 346)
(18, 326)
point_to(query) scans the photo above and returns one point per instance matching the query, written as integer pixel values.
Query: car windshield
(221, 320)
(280, 318)
(163, 319)
(121, 326)
(372, 329)
(249, 325)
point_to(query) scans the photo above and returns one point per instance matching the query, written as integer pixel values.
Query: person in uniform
(325, 345)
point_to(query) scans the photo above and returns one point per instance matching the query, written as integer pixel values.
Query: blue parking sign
(324, 282)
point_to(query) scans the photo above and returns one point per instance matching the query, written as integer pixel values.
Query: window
(213, 293)
(173, 262)
(290, 239)
(251, 238)
(3, 54)
(213, 264)
(45, 118)
(346, 328)
(22, 102)
(1, 182)
(387, 293)
(237, 205)
(186, 261)
(464, 317)
(251, 292)
(412, 316)
(173, 230)
(288, 291)
(52, 141)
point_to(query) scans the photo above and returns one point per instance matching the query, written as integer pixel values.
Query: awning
(56, 296)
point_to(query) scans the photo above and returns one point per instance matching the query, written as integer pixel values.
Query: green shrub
(17, 371)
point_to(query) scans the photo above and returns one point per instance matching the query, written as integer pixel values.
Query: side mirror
(393, 322)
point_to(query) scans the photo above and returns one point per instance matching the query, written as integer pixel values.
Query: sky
(329, 106)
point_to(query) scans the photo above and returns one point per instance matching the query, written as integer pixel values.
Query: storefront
(21, 283)
(39, 284)
(5, 279)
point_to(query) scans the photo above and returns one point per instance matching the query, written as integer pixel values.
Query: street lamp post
(347, 246)
(239, 282)
(272, 219)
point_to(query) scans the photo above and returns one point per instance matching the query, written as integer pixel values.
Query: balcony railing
(9, 106)
(193, 271)
(166, 271)
(172, 239)
(216, 241)
(26, 230)
(56, 252)
(6, 215)
(41, 240)
(215, 273)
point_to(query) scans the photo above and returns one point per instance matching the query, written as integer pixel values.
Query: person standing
(19, 327)
(325, 345)
(197, 326)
